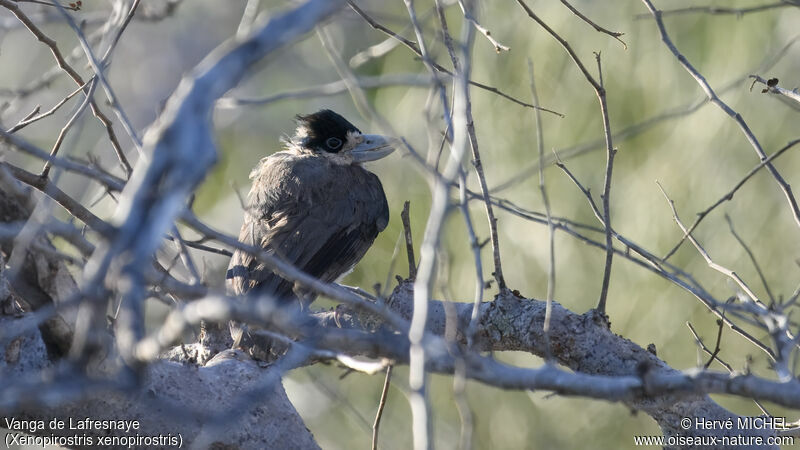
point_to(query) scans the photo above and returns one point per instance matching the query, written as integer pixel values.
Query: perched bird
(314, 205)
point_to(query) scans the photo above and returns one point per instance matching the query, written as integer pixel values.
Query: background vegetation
(697, 157)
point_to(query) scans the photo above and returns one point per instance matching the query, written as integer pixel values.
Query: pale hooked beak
(374, 146)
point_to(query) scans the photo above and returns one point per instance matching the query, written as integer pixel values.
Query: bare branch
(35, 116)
(712, 96)
(600, 91)
(729, 195)
(62, 63)
(476, 156)
(713, 354)
(381, 404)
(413, 46)
(752, 259)
(722, 10)
(498, 47)
(640, 127)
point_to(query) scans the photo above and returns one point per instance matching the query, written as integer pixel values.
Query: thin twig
(713, 354)
(99, 66)
(418, 396)
(498, 47)
(106, 179)
(185, 256)
(657, 265)
(729, 195)
(722, 10)
(413, 46)
(551, 267)
(412, 261)
(476, 160)
(34, 117)
(71, 6)
(610, 153)
(475, 246)
(72, 57)
(563, 43)
(723, 270)
(382, 48)
(199, 246)
(344, 72)
(615, 34)
(62, 63)
(428, 61)
(752, 258)
(638, 128)
(421, 422)
(384, 395)
(600, 91)
(62, 134)
(333, 393)
(72, 206)
(465, 112)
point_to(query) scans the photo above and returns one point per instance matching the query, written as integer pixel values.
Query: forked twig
(729, 195)
(615, 34)
(600, 91)
(709, 91)
(413, 46)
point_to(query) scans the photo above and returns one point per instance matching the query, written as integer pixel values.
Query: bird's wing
(322, 226)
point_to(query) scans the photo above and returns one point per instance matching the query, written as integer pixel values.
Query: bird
(314, 205)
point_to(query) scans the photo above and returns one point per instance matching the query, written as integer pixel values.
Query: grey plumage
(318, 215)
(313, 205)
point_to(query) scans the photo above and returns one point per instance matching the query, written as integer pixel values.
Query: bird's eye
(333, 143)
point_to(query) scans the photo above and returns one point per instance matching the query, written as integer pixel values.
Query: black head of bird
(330, 135)
(314, 205)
